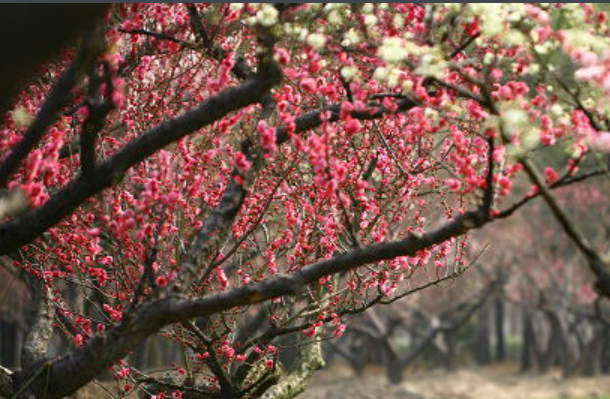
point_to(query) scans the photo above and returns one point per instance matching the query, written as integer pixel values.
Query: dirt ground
(494, 382)
(497, 382)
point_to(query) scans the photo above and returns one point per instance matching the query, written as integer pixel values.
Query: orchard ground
(491, 382)
(497, 382)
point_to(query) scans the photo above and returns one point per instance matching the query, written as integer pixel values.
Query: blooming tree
(222, 175)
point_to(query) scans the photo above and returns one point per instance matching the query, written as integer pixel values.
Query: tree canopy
(205, 172)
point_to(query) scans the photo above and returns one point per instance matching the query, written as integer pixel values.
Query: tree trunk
(483, 347)
(528, 347)
(499, 321)
(592, 354)
(449, 337)
(605, 354)
(8, 344)
(310, 359)
(552, 354)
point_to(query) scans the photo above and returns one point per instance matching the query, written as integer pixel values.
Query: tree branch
(55, 101)
(6, 382)
(27, 227)
(558, 184)
(595, 260)
(41, 323)
(99, 107)
(76, 369)
(310, 359)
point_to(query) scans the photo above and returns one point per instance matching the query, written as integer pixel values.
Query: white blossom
(316, 40)
(267, 16)
(392, 50)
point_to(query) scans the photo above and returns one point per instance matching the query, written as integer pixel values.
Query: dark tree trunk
(449, 337)
(592, 354)
(560, 349)
(9, 347)
(394, 368)
(483, 345)
(551, 356)
(528, 348)
(605, 354)
(499, 321)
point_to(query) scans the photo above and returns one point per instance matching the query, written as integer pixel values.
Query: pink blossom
(453, 184)
(241, 162)
(353, 126)
(268, 138)
(309, 85)
(551, 175)
(161, 281)
(498, 154)
(600, 141)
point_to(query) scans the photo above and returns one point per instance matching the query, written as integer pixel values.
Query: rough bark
(39, 334)
(310, 359)
(6, 382)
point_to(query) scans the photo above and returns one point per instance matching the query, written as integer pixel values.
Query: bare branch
(595, 260)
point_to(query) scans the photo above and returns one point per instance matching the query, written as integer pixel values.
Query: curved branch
(595, 260)
(558, 184)
(55, 101)
(27, 227)
(76, 369)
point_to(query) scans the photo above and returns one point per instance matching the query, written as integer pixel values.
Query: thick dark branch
(558, 184)
(596, 260)
(50, 110)
(313, 119)
(79, 367)
(27, 227)
(158, 35)
(99, 107)
(241, 69)
(212, 234)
